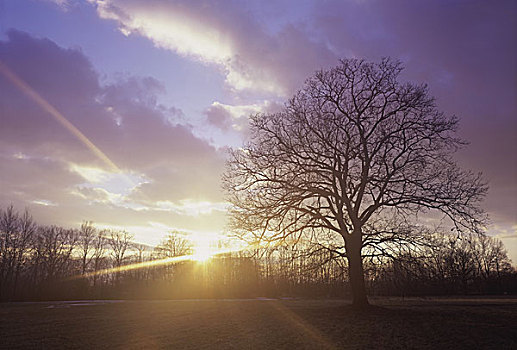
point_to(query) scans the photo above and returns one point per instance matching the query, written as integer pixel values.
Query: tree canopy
(355, 152)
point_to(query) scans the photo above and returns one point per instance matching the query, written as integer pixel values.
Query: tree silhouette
(120, 242)
(354, 147)
(174, 244)
(87, 234)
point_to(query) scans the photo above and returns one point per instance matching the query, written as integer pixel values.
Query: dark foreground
(261, 324)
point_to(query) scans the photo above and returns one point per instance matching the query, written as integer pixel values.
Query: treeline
(437, 264)
(447, 264)
(51, 262)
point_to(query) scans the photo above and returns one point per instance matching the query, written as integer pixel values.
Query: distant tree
(54, 248)
(16, 237)
(87, 235)
(490, 256)
(99, 251)
(174, 244)
(120, 242)
(352, 147)
(460, 263)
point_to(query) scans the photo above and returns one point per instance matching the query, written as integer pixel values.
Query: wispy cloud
(225, 34)
(225, 116)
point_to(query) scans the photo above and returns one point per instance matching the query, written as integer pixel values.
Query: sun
(202, 251)
(201, 255)
(206, 246)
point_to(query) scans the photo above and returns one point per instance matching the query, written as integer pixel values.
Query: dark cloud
(65, 78)
(219, 117)
(466, 51)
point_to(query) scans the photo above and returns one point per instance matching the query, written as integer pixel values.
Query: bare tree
(120, 242)
(54, 249)
(175, 244)
(490, 256)
(99, 251)
(87, 234)
(16, 234)
(352, 146)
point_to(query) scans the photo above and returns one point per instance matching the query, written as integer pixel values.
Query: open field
(439, 323)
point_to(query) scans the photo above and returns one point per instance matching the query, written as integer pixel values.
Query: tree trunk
(84, 264)
(356, 272)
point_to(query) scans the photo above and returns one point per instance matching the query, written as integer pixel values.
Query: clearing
(421, 323)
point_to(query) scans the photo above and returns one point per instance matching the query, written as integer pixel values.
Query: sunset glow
(202, 250)
(202, 255)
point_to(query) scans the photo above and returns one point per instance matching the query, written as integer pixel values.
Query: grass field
(261, 324)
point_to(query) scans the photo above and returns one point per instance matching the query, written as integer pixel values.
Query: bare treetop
(354, 144)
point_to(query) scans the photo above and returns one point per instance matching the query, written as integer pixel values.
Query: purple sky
(161, 87)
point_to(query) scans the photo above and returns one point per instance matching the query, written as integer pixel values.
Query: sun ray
(304, 326)
(38, 99)
(159, 262)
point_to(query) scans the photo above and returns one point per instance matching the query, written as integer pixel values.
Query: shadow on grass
(297, 324)
(423, 326)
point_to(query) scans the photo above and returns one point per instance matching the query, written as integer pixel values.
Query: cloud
(63, 4)
(219, 116)
(225, 116)
(507, 236)
(43, 163)
(465, 51)
(33, 178)
(226, 34)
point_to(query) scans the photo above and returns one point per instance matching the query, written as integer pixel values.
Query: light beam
(158, 262)
(34, 96)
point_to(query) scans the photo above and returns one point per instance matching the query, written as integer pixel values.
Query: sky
(120, 111)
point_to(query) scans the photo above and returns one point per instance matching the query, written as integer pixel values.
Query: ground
(418, 323)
